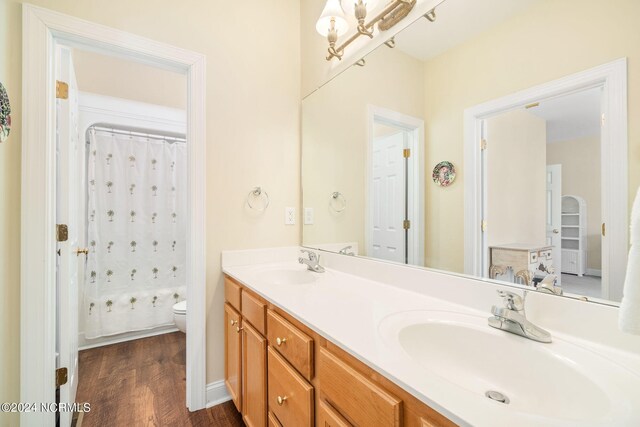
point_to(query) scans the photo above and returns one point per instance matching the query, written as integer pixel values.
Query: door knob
(556, 231)
(79, 251)
(281, 400)
(280, 341)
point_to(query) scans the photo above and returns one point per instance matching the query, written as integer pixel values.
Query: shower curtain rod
(133, 131)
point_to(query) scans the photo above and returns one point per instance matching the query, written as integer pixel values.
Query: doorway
(576, 120)
(394, 219)
(46, 201)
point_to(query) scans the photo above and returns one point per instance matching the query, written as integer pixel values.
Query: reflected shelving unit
(574, 235)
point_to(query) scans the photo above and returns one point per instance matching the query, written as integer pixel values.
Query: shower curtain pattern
(136, 203)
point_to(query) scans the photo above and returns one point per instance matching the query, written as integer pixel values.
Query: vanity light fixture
(332, 22)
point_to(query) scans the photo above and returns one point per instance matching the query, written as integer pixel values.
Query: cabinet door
(254, 377)
(329, 417)
(233, 355)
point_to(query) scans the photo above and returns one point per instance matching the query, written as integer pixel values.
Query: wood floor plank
(143, 383)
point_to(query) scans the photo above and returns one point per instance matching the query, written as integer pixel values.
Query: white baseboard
(217, 393)
(594, 272)
(84, 343)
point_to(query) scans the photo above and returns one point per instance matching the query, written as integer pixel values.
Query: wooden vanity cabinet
(290, 376)
(254, 377)
(233, 355)
(246, 353)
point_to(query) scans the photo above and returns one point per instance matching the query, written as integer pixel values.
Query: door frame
(612, 77)
(415, 127)
(42, 29)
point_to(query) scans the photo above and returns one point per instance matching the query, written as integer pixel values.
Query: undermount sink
(558, 381)
(287, 276)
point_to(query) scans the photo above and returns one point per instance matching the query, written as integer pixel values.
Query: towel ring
(258, 193)
(337, 198)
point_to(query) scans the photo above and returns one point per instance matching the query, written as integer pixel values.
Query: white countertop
(347, 309)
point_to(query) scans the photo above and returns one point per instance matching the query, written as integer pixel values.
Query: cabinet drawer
(254, 311)
(232, 292)
(356, 397)
(290, 396)
(291, 342)
(329, 417)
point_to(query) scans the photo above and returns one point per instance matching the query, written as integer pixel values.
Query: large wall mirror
(492, 141)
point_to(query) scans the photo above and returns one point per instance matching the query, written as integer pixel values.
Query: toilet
(180, 315)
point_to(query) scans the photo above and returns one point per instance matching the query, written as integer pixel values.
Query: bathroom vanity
(278, 368)
(379, 344)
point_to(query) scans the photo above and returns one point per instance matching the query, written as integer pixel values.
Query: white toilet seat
(180, 315)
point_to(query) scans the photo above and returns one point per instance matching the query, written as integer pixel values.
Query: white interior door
(554, 215)
(388, 201)
(67, 212)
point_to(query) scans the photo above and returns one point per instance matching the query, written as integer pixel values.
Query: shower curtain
(136, 222)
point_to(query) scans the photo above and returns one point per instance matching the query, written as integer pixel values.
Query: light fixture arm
(332, 37)
(361, 15)
(389, 16)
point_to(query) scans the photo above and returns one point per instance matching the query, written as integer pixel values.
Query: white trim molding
(42, 30)
(217, 393)
(612, 77)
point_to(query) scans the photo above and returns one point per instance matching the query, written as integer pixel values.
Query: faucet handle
(512, 301)
(312, 255)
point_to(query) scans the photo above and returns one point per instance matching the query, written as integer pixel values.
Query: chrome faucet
(346, 251)
(512, 318)
(548, 285)
(313, 262)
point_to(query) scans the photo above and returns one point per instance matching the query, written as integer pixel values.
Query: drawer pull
(280, 341)
(281, 400)
(233, 322)
(238, 329)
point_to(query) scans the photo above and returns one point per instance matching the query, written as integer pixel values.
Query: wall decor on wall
(444, 174)
(5, 114)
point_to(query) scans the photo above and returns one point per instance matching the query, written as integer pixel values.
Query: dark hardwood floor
(142, 383)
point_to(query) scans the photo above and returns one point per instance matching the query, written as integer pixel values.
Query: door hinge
(602, 120)
(62, 232)
(483, 225)
(483, 144)
(62, 90)
(406, 224)
(406, 153)
(61, 376)
(604, 229)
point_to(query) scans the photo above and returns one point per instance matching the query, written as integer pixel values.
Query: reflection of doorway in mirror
(395, 181)
(558, 139)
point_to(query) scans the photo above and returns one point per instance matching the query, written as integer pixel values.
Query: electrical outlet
(308, 216)
(289, 216)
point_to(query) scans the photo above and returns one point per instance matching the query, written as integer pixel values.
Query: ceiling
(457, 21)
(571, 116)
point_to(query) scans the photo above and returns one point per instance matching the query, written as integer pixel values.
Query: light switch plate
(308, 216)
(289, 216)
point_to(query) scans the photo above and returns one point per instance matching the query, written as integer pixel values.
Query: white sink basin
(287, 276)
(558, 383)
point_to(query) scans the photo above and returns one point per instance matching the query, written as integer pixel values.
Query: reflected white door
(388, 203)
(67, 212)
(554, 215)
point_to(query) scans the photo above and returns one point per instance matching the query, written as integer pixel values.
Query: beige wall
(253, 98)
(553, 39)
(120, 78)
(516, 184)
(580, 160)
(334, 130)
